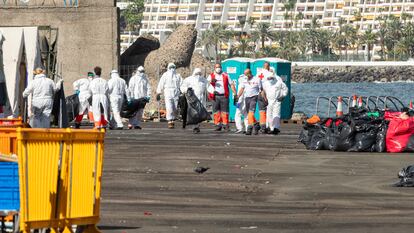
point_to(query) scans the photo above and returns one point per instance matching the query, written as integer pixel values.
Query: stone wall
(88, 36)
(306, 74)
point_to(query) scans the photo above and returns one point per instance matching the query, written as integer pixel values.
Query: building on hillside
(161, 16)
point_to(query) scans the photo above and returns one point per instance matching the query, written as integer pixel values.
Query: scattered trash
(146, 213)
(227, 144)
(201, 170)
(406, 176)
(249, 228)
(267, 182)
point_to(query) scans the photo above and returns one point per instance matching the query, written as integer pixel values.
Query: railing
(42, 3)
(370, 103)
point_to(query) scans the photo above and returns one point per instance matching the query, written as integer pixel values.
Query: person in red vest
(263, 75)
(219, 92)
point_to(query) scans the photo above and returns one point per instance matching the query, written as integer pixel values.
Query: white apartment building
(161, 15)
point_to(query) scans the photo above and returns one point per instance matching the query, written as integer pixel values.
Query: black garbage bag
(366, 136)
(182, 104)
(380, 142)
(129, 110)
(196, 112)
(72, 107)
(3, 93)
(59, 110)
(341, 137)
(318, 138)
(406, 176)
(364, 142)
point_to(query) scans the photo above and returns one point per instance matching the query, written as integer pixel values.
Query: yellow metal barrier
(41, 154)
(60, 173)
(8, 141)
(84, 179)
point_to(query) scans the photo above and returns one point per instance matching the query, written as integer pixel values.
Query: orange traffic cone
(360, 103)
(354, 101)
(339, 109)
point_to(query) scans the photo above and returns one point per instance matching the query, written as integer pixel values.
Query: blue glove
(238, 105)
(77, 92)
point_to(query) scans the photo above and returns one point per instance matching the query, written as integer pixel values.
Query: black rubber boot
(249, 130)
(275, 131)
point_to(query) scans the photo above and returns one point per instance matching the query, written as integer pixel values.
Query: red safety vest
(225, 83)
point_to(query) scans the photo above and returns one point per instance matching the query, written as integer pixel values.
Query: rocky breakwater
(351, 74)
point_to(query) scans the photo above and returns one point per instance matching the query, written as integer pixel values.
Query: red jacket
(225, 83)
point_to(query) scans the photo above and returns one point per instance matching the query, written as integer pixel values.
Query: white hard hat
(170, 65)
(141, 69)
(197, 71)
(114, 72)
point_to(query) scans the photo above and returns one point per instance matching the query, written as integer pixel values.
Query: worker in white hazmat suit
(117, 88)
(99, 89)
(241, 111)
(169, 85)
(139, 87)
(81, 88)
(199, 84)
(275, 91)
(42, 90)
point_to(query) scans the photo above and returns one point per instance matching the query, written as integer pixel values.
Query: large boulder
(139, 50)
(178, 48)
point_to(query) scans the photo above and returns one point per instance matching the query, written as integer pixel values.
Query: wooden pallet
(295, 122)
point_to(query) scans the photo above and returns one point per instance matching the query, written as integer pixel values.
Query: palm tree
(263, 32)
(393, 34)
(214, 37)
(298, 17)
(289, 6)
(405, 45)
(369, 38)
(382, 34)
(244, 45)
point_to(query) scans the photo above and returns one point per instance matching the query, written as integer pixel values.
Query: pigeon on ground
(201, 170)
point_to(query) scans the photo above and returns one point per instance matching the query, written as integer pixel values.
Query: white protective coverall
(241, 107)
(117, 88)
(139, 87)
(82, 85)
(42, 90)
(275, 90)
(99, 89)
(170, 84)
(199, 84)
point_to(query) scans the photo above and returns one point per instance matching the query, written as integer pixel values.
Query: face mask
(218, 70)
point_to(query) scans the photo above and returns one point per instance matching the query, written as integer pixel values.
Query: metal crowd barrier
(369, 102)
(60, 173)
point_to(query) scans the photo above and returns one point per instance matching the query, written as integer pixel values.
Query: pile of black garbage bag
(358, 131)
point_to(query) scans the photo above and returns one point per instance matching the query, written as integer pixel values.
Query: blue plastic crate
(9, 186)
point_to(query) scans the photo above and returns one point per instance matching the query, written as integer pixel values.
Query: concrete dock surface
(261, 183)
